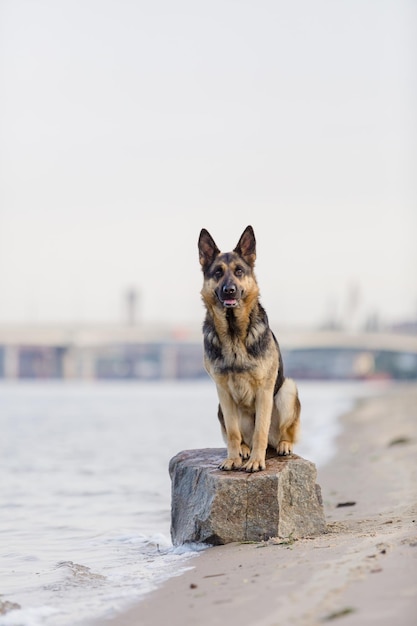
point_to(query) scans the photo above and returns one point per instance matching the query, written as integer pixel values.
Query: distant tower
(132, 306)
(353, 301)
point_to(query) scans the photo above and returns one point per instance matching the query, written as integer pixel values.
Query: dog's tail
(289, 408)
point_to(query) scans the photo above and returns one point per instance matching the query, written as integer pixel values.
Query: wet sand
(363, 570)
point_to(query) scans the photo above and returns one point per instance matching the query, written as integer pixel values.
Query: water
(85, 490)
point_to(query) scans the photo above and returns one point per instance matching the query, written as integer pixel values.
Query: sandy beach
(362, 571)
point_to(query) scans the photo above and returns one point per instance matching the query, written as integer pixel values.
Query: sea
(85, 490)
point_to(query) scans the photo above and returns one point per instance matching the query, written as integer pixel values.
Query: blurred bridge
(162, 352)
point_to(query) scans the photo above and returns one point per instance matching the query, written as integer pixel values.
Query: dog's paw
(231, 464)
(244, 451)
(254, 465)
(284, 448)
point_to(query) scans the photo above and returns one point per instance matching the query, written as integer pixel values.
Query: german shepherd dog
(258, 405)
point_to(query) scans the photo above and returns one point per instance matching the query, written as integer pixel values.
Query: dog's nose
(229, 290)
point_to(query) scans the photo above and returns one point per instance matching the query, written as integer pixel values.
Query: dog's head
(228, 276)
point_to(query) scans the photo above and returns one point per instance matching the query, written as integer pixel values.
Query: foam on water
(85, 491)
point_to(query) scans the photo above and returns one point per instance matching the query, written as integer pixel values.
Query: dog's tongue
(229, 302)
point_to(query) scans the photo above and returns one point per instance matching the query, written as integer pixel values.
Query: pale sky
(127, 126)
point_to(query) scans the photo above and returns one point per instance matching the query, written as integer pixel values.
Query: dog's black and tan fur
(258, 405)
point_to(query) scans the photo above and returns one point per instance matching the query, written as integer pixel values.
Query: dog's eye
(238, 272)
(218, 273)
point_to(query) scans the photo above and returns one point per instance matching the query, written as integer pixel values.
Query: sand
(363, 571)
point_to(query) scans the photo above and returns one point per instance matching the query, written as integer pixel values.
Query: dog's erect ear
(207, 248)
(246, 247)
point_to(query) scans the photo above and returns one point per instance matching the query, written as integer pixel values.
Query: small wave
(27, 617)
(190, 548)
(80, 573)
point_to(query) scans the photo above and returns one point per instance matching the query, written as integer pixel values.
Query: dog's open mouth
(230, 303)
(229, 300)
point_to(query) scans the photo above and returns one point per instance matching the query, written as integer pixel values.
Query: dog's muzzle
(229, 295)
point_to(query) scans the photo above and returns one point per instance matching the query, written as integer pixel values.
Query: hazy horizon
(127, 127)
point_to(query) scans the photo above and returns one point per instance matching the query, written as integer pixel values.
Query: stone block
(217, 507)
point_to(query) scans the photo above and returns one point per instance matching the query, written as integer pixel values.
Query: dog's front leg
(263, 408)
(233, 434)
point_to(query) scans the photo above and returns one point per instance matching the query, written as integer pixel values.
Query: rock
(216, 507)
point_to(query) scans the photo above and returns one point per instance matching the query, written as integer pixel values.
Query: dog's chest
(243, 389)
(228, 357)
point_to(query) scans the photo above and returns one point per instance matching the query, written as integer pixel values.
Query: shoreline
(363, 569)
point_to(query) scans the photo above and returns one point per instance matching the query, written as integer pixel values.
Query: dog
(258, 406)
